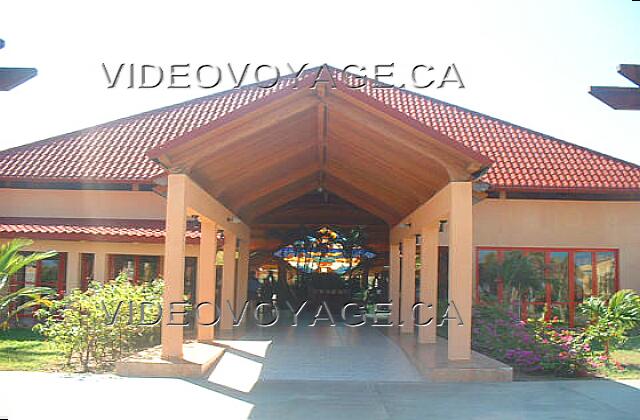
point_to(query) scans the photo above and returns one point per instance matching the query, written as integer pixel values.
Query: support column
(394, 283)
(174, 253)
(408, 283)
(460, 270)
(429, 283)
(206, 284)
(228, 280)
(73, 272)
(243, 274)
(100, 267)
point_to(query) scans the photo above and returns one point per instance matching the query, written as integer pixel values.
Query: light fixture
(233, 219)
(404, 225)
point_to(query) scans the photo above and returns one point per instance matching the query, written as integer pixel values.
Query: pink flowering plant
(535, 346)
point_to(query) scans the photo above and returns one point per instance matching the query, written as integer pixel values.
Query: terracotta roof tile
(94, 229)
(117, 151)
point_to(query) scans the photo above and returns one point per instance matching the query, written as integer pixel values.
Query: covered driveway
(233, 172)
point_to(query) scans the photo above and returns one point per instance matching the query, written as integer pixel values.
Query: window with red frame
(45, 273)
(567, 277)
(139, 268)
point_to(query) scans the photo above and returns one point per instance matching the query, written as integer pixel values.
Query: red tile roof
(522, 159)
(112, 230)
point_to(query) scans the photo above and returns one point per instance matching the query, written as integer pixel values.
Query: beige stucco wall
(70, 203)
(497, 222)
(571, 224)
(101, 250)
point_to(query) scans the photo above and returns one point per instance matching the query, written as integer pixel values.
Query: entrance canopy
(319, 138)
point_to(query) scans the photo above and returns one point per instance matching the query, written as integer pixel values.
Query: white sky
(530, 63)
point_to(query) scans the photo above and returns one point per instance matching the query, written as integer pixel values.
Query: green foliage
(96, 327)
(23, 349)
(611, 321)
(12, 261)
(533, 347)
(520, 274)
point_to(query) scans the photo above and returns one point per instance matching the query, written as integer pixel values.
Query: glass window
(583, 274)
(606, 269)
(488, 268)
(138, 268)
(536, 311)
(148, 269)
(545, 282)
(537, 289)
(49, 272)
(560, 312)
(190, 277)
(124, 264)
(559, 276)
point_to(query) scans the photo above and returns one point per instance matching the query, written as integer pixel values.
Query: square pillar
(228, 280)
(408, 291)
(243, 274)
(100, 267)
(73, 271)
(460, 271)
(206, 284)
(394, 283)
(174, 253)
(429, 282)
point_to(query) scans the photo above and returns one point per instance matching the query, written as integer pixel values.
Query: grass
(629, 357)
(23, 349)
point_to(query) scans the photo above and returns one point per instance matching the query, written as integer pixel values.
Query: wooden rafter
(279, 197)
(250, 126)
(363, 200)
(401, 134)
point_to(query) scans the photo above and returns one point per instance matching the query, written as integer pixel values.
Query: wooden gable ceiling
(319, 140)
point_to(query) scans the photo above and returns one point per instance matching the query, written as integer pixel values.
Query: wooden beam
(199, 202)
(379, 177)
(264, 165)
(323, 117)
(402, 134)
(361, 199)
(384, 191)
(349, 139)
(279, 197)
(253, 123)
(243, 199)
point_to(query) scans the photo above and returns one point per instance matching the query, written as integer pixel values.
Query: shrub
(80, 325)
(11, 261)
(535, 346)
(611, 321)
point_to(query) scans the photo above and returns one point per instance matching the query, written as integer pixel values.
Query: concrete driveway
(34, 395)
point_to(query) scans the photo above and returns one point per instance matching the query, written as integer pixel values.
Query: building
(452, 188)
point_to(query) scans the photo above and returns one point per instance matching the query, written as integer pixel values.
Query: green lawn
(629, 357)
(22, 349)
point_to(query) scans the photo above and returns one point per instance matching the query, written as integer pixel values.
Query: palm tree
(12, 261)
(611, 320)
(521, 275)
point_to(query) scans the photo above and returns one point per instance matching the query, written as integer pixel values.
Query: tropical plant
(534, 346)
(13, 260)
(521, 275)
(610, 321)
(99, 326)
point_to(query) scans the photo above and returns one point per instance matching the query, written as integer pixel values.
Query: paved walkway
(325, 353)
(32, 395)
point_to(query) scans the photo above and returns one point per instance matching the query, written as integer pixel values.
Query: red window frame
(87, 267)
(136, 265)
(571, 298)
(61, 279)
